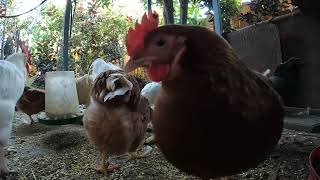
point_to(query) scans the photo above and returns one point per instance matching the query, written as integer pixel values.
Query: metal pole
(149, 5)
(217, 16)
(66, 31)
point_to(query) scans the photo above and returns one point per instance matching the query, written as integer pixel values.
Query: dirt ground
(63, 152)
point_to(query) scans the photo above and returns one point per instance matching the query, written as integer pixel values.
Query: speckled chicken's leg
(150, 140)
(135, 155)
(105, 168)
(31, 120)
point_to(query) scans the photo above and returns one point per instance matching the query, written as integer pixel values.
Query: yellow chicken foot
(31, 120)
(105, 168)
(134, 155)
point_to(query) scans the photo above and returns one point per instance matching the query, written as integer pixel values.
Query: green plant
(229, 8)
(96, 33)
(46, 34)
(104, 3)
(261, 8)
(194, 16)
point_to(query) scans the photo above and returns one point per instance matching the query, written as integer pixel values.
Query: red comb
(25, 50)
(135, 37)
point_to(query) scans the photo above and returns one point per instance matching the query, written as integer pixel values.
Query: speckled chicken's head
(156, 51)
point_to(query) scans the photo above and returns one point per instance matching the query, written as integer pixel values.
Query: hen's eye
(160, 42)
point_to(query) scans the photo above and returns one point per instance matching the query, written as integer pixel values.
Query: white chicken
(151, 91)
(13, 74)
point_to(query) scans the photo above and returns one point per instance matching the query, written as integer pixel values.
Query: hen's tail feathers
(114, 86)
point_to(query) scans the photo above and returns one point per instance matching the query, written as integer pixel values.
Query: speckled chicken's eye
(160, 42)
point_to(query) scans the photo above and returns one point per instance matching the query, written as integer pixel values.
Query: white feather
(12, 78)
(266, 72)
(111, 86)
(98, 66)
(151, 92)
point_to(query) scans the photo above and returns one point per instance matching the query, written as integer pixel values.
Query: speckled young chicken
(117, 117)
(214, 117)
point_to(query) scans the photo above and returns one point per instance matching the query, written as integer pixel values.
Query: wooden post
(66, 31)
(217, 16)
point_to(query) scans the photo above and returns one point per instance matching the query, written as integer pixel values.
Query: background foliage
(95, 33)
(98, 29)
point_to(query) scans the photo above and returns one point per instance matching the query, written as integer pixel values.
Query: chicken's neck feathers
(111, 86)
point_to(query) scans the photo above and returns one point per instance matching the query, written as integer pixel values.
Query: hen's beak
(133, 64)
(137, 62)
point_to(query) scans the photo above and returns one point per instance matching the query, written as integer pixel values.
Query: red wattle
(158, 72)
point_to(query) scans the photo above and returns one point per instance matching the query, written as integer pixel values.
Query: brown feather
(32, 101)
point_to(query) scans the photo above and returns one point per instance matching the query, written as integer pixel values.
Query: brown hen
(214, 117)
(32, 101)
(117, 117)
